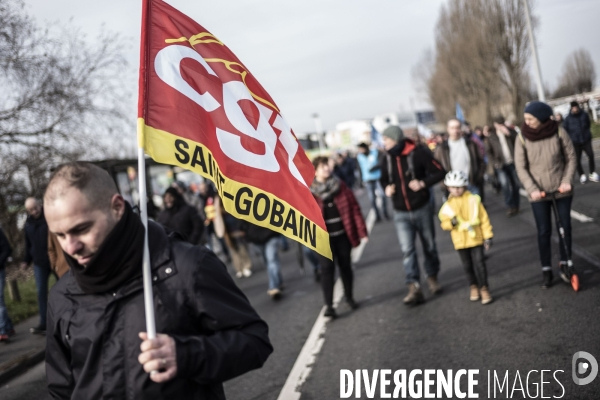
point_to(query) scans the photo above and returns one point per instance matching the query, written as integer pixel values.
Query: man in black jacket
(36, 252)
(209, 331)
(577, 125)
(6, 327)
(181, 217)
(407, 175)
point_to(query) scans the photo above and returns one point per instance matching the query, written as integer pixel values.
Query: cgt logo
(583, 363)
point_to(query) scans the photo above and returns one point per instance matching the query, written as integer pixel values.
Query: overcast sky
(343, 59)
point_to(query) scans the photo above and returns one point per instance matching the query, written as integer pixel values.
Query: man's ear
(117, 206)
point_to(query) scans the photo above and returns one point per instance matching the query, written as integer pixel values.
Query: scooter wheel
(575, 282)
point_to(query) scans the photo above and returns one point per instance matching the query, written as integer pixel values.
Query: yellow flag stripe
(242, 201)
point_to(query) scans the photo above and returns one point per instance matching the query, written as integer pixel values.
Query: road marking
(574, 214)
(314, 343)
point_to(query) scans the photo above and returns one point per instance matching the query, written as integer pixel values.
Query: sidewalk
(22, 351)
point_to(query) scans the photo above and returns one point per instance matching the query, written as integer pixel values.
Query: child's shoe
(474, 293)
(486, 297)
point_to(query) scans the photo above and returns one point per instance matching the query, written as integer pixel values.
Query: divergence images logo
(582, 367)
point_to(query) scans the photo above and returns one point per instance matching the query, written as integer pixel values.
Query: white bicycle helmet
(456, 179)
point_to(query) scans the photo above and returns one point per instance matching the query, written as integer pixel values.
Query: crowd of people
(90, 238)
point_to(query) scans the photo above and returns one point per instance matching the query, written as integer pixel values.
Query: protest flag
(201, 109)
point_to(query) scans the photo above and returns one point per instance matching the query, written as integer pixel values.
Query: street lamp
(319, 129)
(536, 60)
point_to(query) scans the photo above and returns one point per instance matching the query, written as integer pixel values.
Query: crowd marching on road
(86, 234)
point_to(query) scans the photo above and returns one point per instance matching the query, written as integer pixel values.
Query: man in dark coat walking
(577, 125)
(6, 327)
(407, 175)
(97, 346)
(181, 217)
(36, 252)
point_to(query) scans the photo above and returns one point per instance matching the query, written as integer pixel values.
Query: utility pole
(319, 129)
(536, 60)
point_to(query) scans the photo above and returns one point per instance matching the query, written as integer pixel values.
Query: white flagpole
(148, 297)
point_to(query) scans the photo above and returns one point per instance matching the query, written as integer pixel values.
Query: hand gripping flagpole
(147, 273)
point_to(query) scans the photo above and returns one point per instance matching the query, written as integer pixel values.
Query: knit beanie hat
(540, 110)
(394, 132)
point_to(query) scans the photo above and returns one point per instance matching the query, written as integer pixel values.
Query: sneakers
(247, 272)
(486, 297)
(239, 274)
(474, 296)
(4, 338)
(594, 177)
(38, 330)
(415, 295)
(434, 286)
(352, 304)
(274, 293)
(548, 276)
(512, 212)
(330, 312)
(583, 179)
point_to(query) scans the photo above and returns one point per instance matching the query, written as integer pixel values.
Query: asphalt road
(524, 329)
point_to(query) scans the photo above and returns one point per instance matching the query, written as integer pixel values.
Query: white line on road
(307, 357)
(574, 214)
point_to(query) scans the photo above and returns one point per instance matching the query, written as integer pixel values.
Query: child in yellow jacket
(469, 225)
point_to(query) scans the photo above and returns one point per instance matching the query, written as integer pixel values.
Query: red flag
(200, 108)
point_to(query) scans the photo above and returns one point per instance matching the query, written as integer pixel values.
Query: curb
(20, 364)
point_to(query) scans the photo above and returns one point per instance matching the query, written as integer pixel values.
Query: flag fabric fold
(200, 108)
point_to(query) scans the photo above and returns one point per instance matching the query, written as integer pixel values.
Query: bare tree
(481, 58)
(578, 76)
(63, 98)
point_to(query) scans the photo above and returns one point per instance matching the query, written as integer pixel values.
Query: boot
(415, 295)
(548, 276)
(486, 297)
(330, 312)
(434, 286)
(474, 293)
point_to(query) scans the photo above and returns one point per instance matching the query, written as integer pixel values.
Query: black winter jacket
(5, 249)
(578, 127)
(183, 219)
(36, 241)
(413, 162)
(92, 340)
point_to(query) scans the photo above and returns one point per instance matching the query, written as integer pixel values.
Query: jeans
(372, 192)
(271, 254)
(507, 176)
(408, 224)
(42, 275)
(474, 264)
(340, 248)
(542, 211)
(587, 148)
(5, 322)
(312, 257)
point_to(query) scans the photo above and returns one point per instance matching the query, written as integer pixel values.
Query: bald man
(96, 341)
(36, 253)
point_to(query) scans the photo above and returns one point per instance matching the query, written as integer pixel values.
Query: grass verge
(28, 306)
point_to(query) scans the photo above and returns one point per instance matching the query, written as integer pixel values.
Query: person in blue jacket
(369, 161)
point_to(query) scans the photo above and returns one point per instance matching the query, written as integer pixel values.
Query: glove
(487, 244)
(454, 221)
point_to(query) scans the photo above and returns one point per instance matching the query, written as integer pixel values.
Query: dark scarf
(326, 190)
(396, 151)
(118, 259)
(545, 130)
